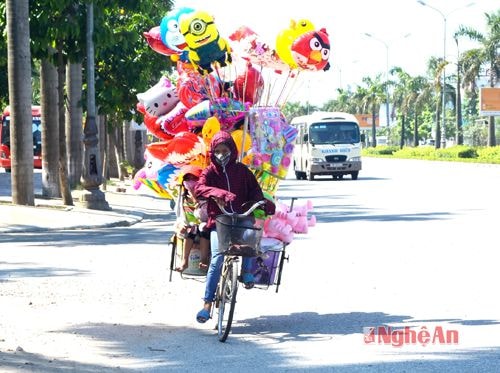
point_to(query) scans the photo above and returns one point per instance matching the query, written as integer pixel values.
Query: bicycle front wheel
(228, 291)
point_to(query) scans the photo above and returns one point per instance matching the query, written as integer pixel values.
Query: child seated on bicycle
(189, 219)
(231, 184)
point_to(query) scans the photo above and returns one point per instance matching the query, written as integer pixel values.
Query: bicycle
(240, 236)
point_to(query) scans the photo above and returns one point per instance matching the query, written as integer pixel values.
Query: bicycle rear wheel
(228, 291)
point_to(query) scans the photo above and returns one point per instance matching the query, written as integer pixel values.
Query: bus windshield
(334, 133)
(37, 134)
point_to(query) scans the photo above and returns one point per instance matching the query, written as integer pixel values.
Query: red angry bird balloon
(311, 51)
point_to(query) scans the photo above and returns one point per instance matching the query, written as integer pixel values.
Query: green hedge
(459, 153)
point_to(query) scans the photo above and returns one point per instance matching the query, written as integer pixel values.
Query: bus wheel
(354, 175)
(298, 175)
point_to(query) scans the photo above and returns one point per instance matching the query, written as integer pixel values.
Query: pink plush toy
(302, 224)
(278, 228)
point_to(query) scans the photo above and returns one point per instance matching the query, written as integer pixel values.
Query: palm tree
(19, 71)
(50, 132)
(373, 96)
(402, 98)
(486, 55)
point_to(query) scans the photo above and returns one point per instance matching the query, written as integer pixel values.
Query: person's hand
(219, 201)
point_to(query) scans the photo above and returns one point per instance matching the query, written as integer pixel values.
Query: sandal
(203, 316)
(248, 280)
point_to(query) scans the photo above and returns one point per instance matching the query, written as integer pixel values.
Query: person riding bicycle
(231, 184)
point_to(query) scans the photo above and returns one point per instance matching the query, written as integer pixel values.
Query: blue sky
(412, 32)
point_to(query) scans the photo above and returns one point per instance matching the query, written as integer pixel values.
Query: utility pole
(92, 197)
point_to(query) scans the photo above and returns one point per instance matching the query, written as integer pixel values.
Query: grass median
(458, 153)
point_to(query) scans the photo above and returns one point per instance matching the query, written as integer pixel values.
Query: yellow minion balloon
(204, 42)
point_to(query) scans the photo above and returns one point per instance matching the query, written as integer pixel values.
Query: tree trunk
(374, 128)
(104, 146)
(63, 159)
(50, 132)
(492, 141)
(138, 151)
(19, 71)
(115, 158)
(402, 139)
(128, 148)
(459, 135)
(415, 131)
(438, 127)
(74, 119)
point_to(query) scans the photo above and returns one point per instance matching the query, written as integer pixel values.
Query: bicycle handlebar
(246, 213)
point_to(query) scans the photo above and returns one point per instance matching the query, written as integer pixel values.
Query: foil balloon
(205, 44)
(154, 128)
(248, 86)
(153, 39)
(227, 111)
(159, 99)
(210, 128)
(311, 50)
(170, 30)
(174, 121)
(286, 37)
(248, 45)
(193, 87)
(244, 144)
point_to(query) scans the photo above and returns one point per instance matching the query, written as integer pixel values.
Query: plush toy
(277, 228)
(303, 223)
(205, 44)
(160, 98)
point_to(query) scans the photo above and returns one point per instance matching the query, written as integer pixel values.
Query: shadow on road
(102, 236)
(11, 271)
(162, 347)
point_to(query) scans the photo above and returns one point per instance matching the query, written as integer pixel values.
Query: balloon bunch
(184, 115)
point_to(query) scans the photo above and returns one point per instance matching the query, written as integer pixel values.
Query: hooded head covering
(189, 170)
(223, 137)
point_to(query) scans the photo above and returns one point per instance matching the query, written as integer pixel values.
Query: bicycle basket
(239, 235)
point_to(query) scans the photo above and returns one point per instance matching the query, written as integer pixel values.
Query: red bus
(5, 138)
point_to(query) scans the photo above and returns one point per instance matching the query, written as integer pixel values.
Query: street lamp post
(92, 197)
(443, 90)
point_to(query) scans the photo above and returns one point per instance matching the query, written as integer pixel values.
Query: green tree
(486, 55)
(373, 95)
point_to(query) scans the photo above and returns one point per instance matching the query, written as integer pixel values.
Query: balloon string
(283, 88)
(294, 82)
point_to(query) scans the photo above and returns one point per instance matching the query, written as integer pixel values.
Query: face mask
(223, 159)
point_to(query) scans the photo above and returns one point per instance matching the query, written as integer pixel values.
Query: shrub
(467, 153)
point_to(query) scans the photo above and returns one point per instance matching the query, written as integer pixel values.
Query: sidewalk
(127, 207)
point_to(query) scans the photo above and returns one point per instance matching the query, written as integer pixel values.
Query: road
(409, 244)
